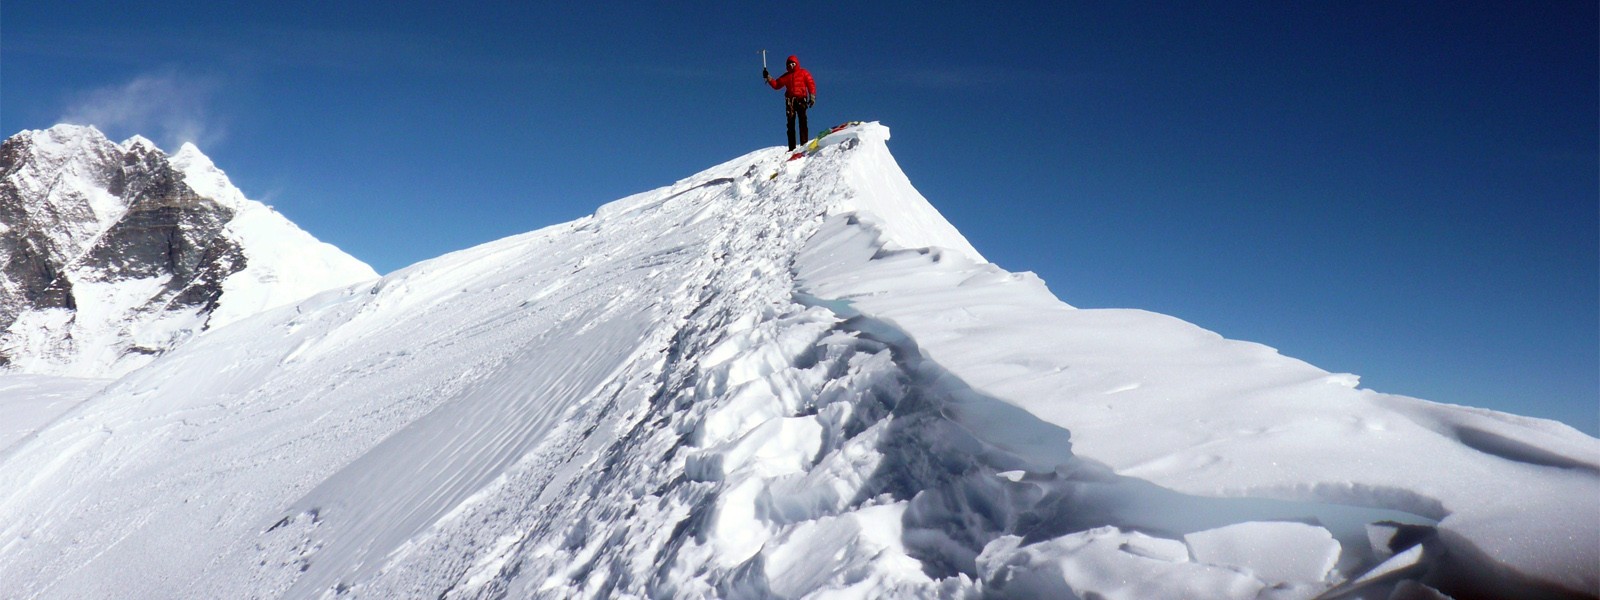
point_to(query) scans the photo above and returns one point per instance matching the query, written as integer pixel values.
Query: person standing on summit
(800, 93)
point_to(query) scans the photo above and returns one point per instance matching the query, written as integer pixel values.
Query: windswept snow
(29, 402)
(1159, 399)
(771, 379)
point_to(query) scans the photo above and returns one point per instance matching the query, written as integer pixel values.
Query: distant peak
(65, 130)
(189, 157)
(60, 133)
(64, 140)
(138, 141)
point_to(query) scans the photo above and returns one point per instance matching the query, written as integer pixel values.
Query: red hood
(794, 60)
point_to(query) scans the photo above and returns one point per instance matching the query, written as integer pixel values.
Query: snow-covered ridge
(772, 379)
(115, 253)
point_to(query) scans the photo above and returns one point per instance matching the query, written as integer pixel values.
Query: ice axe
(764, 63)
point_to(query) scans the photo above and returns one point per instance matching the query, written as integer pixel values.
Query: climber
(800, 93)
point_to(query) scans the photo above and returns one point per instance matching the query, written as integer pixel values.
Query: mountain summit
(111, 254)
(786, 376)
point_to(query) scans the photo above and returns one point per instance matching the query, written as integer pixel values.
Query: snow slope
(29, 402)
(772, 379)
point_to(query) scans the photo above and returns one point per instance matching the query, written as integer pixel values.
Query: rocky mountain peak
(110, 254)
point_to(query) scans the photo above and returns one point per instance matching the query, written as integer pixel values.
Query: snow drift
(772, 379)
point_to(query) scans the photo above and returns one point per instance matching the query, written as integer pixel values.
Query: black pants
(796, 107)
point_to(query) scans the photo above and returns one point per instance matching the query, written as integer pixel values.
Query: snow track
(773, 379)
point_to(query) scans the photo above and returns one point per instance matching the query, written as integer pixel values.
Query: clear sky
(1402, 190)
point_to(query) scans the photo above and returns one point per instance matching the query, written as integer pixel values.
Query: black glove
(764, 74)
(811, 101)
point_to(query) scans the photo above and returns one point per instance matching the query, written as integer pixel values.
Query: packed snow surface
(775, 378)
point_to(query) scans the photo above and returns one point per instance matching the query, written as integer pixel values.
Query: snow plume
(787, 376)
(173, 106)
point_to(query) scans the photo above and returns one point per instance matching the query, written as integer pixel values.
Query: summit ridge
(774, 378)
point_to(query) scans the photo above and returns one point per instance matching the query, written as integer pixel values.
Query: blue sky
(1402, 190)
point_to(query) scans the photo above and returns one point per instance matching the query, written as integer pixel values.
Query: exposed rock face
(169, 231)
(109, 255)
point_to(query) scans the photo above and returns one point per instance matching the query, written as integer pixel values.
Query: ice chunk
(1156, 548)
(1107, 563)
(1273, 551)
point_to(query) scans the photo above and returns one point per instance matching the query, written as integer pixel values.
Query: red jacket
(798, 81)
